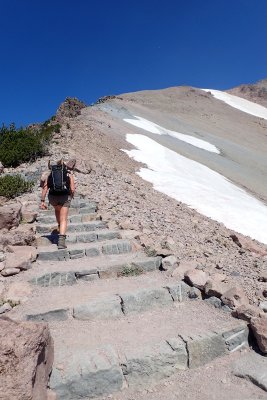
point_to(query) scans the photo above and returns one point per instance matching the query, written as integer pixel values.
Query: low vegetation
(19, 145)
(14, 185)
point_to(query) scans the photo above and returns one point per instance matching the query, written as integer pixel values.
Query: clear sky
(51, 49)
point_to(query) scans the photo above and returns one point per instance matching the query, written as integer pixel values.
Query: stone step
(128, 332)
(79, 227)
(137, 352)
(76, 218)
(72, 211)
(79, 250)
(110, 267)
(83, 237)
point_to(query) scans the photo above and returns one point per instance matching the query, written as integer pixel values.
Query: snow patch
(199, 187)
(159, 130)
(241, 104)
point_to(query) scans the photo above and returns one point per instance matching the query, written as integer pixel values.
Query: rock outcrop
(26, 357)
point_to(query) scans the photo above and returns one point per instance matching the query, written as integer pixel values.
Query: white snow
(241, 104)
(159, 130)
(199, 187)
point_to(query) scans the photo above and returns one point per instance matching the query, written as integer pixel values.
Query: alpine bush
(14, 185)
(18, 145)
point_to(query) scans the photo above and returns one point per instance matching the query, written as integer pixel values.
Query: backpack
(58, 181)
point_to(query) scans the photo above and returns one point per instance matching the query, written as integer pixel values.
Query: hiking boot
(61, 242)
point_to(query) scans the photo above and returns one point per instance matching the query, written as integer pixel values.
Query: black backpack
(58, 181)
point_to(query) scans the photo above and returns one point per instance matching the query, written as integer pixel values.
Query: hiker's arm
(72, 185)
(43, 195)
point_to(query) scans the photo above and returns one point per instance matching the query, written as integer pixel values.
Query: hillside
(174, 172)
(97, 137)
(256, 92)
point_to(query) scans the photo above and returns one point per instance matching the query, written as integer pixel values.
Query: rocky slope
(96, 138)
(254, 92)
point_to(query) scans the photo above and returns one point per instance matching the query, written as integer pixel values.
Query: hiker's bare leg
(57, 213)
(63, 220)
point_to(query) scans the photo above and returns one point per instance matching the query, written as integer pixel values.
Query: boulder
(20, 257)
(10, 271)
(28, 214)
(263, 276)
(10, 215)
(26, 357)
(170, 263)
(216, 285)
(259, 328)
(1, 168)
(235, 297)
(196, 278)
(18, 292)
(246, 312)
(22, 235)
(83, 167)
(249, 244)
(263, 306)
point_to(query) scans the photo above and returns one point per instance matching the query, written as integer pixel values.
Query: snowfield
(159, 130)
(241, 104)
(198, 186)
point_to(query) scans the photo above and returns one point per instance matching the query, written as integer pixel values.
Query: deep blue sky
(51, 49)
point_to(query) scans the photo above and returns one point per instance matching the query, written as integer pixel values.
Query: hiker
(60, 184)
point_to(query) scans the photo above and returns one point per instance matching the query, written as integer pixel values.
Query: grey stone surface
(88, 374)
(55, 279)
(236, 338)
(87, 275)
(145, 299)
(86, 227)
(179, 292)
(169, 263)
(60, 314)
(214, 301)
(204, 348)
(79, 253)
(108, 307)
(57, 255)
(87, 210)
(153, 363)
(117, 248)
(86, 237)
(149, 264)
(92, 252)
(75, 218)
(108, 235)
(253, 367)
(194, 293)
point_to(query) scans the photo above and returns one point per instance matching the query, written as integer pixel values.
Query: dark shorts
(61, 200)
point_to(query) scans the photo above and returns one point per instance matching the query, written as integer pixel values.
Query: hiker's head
(58, 162)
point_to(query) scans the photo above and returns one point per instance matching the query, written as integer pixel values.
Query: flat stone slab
(78, 218)
(72, 211)
(53, 315)
(71, 277)
(78, 250)
(145, 299)
(82, 373)
(108, 307)
(155, 362)
(86, 374)
(205, 347)
(79, 227)
(252, 367)
(82, 237)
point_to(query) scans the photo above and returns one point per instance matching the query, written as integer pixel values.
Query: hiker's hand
(43, 206)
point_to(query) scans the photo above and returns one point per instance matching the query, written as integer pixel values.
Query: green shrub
(24, 144)
(14, 185)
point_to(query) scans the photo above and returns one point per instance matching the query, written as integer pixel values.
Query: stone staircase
(116, 318)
